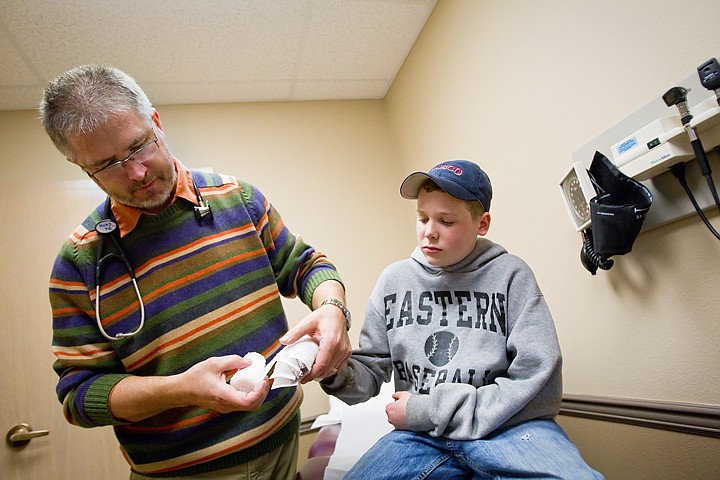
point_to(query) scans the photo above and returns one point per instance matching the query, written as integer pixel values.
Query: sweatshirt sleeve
(531, 387)
(368, 367)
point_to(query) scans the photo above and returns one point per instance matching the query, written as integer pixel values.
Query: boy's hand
(396, 412)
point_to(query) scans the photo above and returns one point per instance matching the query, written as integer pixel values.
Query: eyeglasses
(140, 155)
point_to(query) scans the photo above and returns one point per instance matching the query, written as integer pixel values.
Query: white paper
(362, 426)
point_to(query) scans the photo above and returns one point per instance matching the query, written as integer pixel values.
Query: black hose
(678, 170)
(704, 167)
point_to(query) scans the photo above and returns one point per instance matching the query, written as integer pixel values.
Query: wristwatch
(341, 306)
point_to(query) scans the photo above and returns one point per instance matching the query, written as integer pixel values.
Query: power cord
(589, 258)
(678, 170)
(705, 169)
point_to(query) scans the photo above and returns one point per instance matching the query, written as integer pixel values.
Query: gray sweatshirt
(474, 343)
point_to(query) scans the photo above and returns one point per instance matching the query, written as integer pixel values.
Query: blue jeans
(533, 449)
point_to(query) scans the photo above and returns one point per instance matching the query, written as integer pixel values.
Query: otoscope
(709, 73)
(678, 96)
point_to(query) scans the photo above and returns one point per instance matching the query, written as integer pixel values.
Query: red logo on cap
(452, 168)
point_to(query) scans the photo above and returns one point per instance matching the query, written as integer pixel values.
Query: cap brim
(410, 187)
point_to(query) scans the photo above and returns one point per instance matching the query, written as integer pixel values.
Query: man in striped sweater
(149, 353)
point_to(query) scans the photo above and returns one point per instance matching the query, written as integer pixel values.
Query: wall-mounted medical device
(659, 141)
(577, 190)
(652, 149)
(662, 143)
(607, 207)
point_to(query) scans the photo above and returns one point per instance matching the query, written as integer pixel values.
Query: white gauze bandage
(247, 378)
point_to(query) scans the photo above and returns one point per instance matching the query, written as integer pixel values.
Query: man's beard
(166, 178)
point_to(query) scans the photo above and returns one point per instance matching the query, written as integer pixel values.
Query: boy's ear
(484, 224)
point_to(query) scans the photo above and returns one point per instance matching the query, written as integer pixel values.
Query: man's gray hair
(85, 98)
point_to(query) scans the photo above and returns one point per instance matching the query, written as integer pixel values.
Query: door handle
(20, 435)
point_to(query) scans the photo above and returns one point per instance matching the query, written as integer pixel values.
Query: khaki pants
(280, 464)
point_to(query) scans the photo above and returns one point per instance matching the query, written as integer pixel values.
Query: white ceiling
(207, 51)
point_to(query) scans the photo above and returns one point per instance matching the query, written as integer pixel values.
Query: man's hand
(203, 385)
(206, 384)
(326, 325)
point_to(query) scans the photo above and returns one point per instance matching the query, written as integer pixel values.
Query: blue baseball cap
(460, 178)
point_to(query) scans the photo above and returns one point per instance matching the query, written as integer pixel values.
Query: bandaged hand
(288, 367)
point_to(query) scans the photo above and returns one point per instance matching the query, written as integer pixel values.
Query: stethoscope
(108, 228)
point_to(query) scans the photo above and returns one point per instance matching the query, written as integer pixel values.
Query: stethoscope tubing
(108, 228)
(122, 256)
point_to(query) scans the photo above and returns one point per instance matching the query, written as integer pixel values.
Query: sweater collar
(127, 217)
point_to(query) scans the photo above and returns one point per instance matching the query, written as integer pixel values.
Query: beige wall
(329, 167)
(627, 452)
(517, 86)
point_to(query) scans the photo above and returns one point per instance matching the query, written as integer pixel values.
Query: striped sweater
(209, 289)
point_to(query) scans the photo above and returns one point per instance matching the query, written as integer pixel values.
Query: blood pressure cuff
(619, 209)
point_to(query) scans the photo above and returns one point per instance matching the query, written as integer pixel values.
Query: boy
(465, 330)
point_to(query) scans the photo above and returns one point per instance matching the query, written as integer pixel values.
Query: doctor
(152, 362)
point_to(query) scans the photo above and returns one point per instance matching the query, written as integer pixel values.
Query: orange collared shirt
(127, 217)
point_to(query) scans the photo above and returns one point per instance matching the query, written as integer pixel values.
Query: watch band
(341, 306)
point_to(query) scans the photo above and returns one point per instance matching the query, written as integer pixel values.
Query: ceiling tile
(371, 46)
(13, 68)
(337, 90)
(216, 92)
(186, 51)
